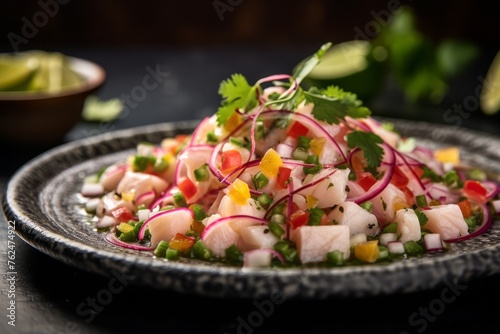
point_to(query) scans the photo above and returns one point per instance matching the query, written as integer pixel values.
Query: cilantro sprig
(237, 94)
(368, 142)
(331, 105)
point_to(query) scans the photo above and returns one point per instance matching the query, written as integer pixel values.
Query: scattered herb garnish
(331, 105)
(369, 143)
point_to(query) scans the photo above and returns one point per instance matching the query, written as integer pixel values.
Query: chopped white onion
(396, 247)
(284, 150)
(91, 205)
(107, 221)
(92, 190)
(433, 242)
(385, 238)
(143, 214)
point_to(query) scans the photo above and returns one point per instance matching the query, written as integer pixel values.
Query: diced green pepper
(161, 249)
(200, 251)
(201, 173)
(335, 258)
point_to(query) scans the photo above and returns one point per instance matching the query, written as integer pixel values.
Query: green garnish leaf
(368, 143)
(97, 110)
(237, 94)
(307, 66)
(333, 104)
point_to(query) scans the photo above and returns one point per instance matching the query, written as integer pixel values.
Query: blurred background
(421, 59)
(146, 23)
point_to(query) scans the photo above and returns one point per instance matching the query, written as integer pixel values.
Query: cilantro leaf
(333, 104)
(368, 143)
(301, 71)
(236, 94)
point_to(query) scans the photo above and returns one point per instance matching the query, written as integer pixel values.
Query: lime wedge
(40, 79)
(37, 70)
(55, 66)
(354, 66)
(490, 92)
(14, 71)
(342, 59)
(69, 77)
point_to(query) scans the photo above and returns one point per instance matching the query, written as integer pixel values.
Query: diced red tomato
(475, 190)
(188, 188)
(399, 179)
(366, 180)
(122, 214)
(418, 171)
(181, 242)
(465, 207)
(297, 129)
(299, 218)
(283, 176)
(409, 197)
(231, 159)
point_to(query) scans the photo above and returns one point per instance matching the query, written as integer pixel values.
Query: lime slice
(14, 71)
(354, 66)
(490, 92)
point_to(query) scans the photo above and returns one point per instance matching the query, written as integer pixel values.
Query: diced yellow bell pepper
(130, 161)
(317, 145)
(239, 192)
(270, 163)
(232, 123)
(169, 157)
(128, 196)
(399, 204)
(367, 251)
(311, 201)
(448, 154)
(124, 227)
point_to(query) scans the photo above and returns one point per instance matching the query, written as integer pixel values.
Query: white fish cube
(447, 220)
(314, 242)
(258, 237)
(358, 219)
(408, 225)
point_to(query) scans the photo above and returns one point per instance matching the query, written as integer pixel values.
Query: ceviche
(282, 176)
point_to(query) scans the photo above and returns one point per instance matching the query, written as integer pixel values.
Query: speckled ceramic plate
(42, 198)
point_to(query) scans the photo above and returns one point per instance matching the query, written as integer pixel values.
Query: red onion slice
(111, 238)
